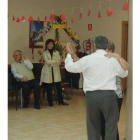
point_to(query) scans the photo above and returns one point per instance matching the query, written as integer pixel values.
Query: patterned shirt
(119, 90)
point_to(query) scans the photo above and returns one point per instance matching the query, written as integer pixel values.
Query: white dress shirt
(99, 72)
(27, 63)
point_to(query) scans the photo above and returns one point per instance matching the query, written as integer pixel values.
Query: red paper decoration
(31, 19)
(18, 19)
(62, 17)
(99, 14)
(45, 19)
(72, 21)
(126, 6)
(38, 20)
(109, 12)
(22, 18)
(81, 15)
(52, 17)
(13, 17)
(89, 12)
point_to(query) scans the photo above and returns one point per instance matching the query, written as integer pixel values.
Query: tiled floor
(53, 123)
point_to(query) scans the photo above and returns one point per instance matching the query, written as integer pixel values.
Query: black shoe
(37, 106)
(51, 104)
(25, 106)
(63, 103)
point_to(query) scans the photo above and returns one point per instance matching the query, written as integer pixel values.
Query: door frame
(124, 48)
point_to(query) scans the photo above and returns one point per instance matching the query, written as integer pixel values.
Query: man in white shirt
(99, 75)
(22, 70)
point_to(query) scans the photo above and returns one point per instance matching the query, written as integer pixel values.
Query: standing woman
(51, 72)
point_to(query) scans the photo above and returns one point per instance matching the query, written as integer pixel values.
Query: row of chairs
(14, 86)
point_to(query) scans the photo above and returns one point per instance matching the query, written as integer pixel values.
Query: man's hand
(23, 57)
(25, 79)
(76, 59)
(69, 49)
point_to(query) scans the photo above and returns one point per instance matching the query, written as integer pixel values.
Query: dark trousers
(26, 88)
(103, 120)
(97, 103)
(58, 90)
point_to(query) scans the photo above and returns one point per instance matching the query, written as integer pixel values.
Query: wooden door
(124, 50)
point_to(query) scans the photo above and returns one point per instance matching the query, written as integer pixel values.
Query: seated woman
(51, 72)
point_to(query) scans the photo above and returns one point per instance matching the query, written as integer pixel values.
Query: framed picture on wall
(34, 28)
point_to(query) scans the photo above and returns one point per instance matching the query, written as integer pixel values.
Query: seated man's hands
(25, 79)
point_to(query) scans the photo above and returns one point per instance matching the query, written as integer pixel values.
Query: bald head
(19, 51)
(17, 55)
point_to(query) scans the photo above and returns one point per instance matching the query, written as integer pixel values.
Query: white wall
(109, 26)
(18, 33)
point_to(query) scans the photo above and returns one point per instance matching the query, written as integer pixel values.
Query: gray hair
(19, 51)
(101, 42)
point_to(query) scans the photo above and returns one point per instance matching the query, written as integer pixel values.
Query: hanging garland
(57, 23)
(125, 7)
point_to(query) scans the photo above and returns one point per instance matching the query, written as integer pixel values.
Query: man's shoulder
(13, 63)
(85, 57)
(114, 62)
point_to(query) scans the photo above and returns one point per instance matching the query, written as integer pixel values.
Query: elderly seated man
(22, 69)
